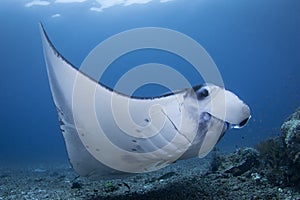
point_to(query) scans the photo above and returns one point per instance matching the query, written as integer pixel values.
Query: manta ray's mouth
(241, 124)
(227, 125)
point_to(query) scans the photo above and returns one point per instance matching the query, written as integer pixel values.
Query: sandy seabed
(191, 179)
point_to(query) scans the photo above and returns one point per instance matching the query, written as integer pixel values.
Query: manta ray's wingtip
(41, 27)
(42, 31)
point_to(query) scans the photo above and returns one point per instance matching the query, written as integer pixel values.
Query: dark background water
(255, 44)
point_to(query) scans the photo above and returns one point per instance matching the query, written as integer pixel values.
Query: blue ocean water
(255, 44)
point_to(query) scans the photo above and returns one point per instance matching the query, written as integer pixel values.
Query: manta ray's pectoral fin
(61, 76)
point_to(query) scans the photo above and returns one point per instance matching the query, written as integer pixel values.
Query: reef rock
(239, 162)
(291, 136)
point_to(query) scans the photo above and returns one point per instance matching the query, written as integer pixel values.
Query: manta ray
(104, 141)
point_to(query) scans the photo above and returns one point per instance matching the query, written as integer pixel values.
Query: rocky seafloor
(270, 170)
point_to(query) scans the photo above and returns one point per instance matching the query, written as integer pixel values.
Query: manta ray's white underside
(103, 140)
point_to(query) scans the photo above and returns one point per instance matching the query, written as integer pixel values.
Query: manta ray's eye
(202, 93)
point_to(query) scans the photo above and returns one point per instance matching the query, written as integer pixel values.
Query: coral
(280, 156)
(273, 161)
(272, 152)
(291, 135)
